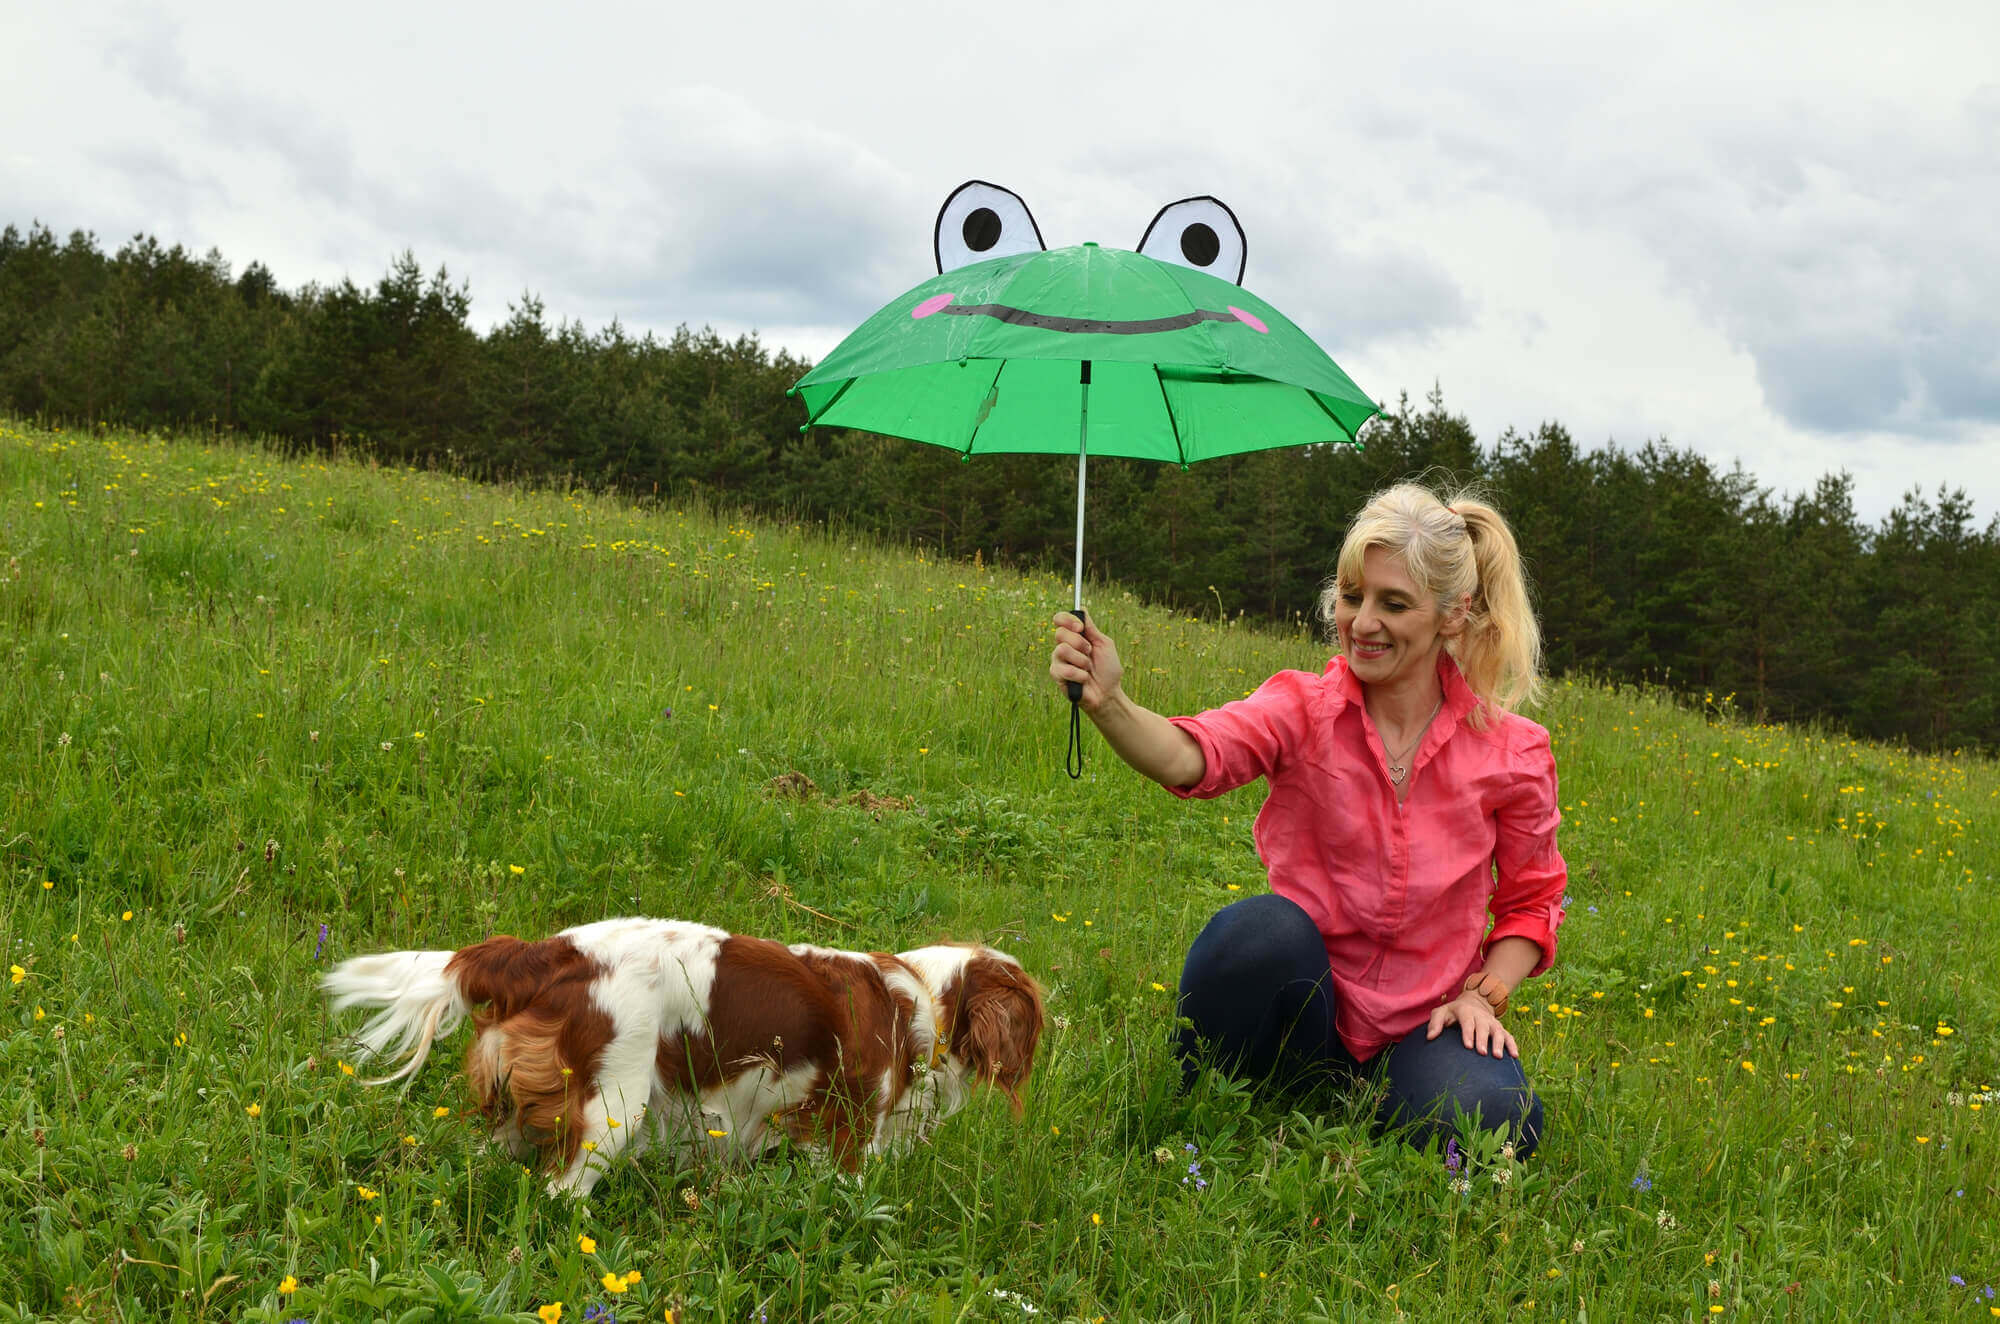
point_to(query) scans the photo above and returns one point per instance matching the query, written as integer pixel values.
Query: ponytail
(1500, 650)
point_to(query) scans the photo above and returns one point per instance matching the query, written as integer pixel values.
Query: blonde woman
(1409, 831)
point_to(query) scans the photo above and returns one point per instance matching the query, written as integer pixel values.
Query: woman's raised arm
(1145, 740)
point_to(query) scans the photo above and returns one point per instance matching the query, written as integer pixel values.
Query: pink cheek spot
(1251, 320)
(932, 304)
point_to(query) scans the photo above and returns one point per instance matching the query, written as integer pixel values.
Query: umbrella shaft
(1082, 447)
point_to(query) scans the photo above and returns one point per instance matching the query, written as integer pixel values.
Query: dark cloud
(751, 220)
(1856, 267)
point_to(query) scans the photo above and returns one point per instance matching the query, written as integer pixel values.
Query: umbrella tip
(1090, 243)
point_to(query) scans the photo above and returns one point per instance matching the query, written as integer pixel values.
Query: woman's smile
(1389, 628)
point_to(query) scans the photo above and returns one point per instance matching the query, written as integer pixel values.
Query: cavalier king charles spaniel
(613, 1034)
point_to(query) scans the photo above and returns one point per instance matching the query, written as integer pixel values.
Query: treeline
(1649, 564)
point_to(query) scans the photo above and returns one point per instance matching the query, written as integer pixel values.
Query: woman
(1406, 802)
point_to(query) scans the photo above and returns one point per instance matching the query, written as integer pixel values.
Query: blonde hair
(1462, 553)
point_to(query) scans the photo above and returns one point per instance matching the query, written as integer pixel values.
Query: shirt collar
(1459, 700)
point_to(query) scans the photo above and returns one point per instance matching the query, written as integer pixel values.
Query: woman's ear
(1455, 620)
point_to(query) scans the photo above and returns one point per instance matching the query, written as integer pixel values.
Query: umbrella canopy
(1153, 355)
(1185, 366)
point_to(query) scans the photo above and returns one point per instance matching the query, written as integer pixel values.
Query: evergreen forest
(1650, 565)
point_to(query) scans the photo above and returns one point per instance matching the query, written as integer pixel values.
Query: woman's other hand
(1477, 1025)
(1085, 654)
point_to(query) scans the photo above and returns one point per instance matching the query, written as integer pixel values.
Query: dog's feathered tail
(421, 1002)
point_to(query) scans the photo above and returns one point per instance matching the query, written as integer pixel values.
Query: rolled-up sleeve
(1530, 874)
(1247, 739)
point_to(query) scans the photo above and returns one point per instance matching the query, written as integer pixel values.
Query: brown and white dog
(612, 1034)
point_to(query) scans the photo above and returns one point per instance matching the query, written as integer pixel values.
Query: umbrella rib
(992, 388)
(820, 413)
(1172, 426)
(1353, 434)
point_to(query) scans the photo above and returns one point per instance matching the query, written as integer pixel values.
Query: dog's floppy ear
(1001, 1015)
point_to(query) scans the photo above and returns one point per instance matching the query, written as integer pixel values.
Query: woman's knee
(1264, 937)
(1443, 1089)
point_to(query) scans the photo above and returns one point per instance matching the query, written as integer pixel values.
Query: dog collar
(939, 1038)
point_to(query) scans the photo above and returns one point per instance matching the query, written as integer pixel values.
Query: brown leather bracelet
(1490, 988)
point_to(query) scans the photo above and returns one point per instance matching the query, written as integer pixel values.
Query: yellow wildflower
(585, 1244)
(289, 1286)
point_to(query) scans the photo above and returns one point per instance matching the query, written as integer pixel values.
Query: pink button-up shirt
(1400, 892)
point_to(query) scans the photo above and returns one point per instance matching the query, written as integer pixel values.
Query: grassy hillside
(258, 714)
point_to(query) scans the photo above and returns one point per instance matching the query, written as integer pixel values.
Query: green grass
(245, 696)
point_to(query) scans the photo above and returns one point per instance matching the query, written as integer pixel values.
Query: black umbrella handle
(1073, 751)
(1074, 688)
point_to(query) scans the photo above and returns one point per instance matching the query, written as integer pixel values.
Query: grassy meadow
(259, 713)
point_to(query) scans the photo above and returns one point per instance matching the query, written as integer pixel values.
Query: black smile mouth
(1086, 326)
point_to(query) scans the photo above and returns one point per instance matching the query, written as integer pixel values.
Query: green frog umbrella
(1158, 354)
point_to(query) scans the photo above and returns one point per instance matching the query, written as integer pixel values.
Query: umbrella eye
(1201, 233)
(981, 221)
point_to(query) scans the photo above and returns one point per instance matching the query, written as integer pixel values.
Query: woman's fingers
(1439, 1019)
(1070, 660)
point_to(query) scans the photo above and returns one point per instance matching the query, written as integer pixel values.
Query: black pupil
(982, 230)
(1199, 244)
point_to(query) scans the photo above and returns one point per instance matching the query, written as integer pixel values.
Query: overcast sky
(1774, 238)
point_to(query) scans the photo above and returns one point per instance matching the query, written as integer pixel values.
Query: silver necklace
(1399, 768)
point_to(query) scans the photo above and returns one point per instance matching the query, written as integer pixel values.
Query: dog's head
(989, 1014)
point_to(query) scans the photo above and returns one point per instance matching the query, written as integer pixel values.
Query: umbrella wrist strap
(1073, 753)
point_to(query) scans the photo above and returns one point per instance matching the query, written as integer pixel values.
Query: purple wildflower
(322, 942)
(1642, 1183)
(1957, 1281)
(599, 1314)
(1452, 1161)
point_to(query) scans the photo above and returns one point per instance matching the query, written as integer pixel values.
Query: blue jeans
(1260, 995)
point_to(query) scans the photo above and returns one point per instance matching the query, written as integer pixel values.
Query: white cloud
(1763, 234)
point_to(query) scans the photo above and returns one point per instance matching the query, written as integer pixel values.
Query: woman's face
(1389, 628)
